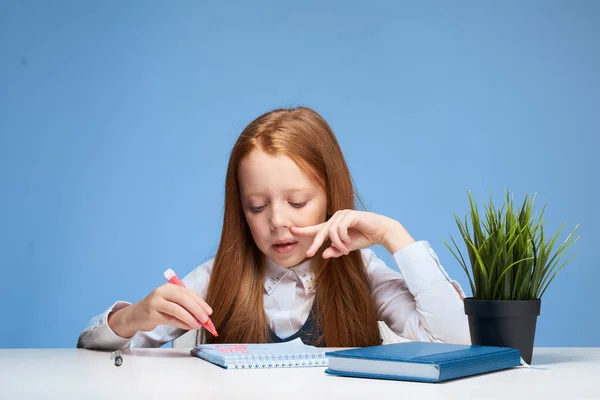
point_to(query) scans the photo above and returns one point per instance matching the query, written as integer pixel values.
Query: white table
(572, 373)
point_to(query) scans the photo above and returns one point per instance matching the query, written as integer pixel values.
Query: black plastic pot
(506, 323)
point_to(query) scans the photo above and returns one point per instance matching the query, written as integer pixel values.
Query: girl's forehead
(260, 174)
(260, 168)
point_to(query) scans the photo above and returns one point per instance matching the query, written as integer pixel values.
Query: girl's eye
(298, 205)
(257, 209)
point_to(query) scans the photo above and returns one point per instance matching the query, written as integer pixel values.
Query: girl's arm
(100, 332)
(421, 302)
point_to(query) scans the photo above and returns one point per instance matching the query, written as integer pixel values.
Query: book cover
(421, 361)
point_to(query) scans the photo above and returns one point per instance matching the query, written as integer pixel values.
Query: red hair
(344, 306)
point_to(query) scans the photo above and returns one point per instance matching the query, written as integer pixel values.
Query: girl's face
(275, 195)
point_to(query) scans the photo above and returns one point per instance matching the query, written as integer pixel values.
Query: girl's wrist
(396, 237)
(119, 323)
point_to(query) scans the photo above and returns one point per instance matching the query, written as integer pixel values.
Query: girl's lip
(285, 249)
(286, 241)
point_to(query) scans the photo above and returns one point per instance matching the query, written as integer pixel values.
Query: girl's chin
(289, 259)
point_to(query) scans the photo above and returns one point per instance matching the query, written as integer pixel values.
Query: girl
(293, 259)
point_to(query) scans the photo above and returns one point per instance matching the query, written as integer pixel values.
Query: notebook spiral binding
(270, 360)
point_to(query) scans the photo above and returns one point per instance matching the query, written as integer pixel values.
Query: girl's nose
(278, 220)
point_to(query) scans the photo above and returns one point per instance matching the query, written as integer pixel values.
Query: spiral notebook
(269, 355)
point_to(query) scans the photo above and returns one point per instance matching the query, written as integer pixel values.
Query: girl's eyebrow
(287, 191)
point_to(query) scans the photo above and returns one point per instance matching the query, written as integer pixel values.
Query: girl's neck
(306, 260)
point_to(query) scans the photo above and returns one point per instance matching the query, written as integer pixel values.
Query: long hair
(344, 306)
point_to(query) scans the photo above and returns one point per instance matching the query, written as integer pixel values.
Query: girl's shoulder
(198, 278)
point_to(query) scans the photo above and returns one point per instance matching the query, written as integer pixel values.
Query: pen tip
(211, 328)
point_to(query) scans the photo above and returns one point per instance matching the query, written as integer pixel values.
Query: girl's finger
(332, 252)
(180, 313)
(343, 225)
(199, 301)
(334, 235)
(318, 241)
(187, 301)
(172, 321)
(306, 230)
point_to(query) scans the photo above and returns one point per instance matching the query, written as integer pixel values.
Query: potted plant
(510, 265)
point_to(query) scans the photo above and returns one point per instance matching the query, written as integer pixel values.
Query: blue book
(421, 361)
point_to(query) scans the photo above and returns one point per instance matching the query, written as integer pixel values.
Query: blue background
(117, 118)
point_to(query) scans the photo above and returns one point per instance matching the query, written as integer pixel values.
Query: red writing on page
(233, 349)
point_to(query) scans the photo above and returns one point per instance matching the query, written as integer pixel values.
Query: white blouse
(419, 303)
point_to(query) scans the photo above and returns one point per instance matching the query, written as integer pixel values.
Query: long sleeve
(98, 334)
(421, 302)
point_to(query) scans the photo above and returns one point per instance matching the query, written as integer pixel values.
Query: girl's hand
(353, 230)
(167, 305)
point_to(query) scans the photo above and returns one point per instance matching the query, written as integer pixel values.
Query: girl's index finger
(306, 230)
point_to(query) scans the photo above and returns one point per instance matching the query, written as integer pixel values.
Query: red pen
(174, 279)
